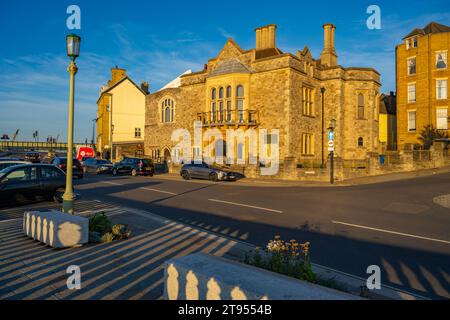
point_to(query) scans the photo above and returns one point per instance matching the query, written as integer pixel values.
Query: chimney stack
(265, 37)
(117, 74)
(145, 87)
(329, 56)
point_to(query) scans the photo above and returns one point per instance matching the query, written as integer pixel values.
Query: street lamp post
(73, 51)
(331, 130)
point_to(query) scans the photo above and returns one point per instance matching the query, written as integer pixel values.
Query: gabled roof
(117, 84)
(432, 27)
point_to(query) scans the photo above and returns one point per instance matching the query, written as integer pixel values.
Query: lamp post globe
(73, 51)
(73, 46)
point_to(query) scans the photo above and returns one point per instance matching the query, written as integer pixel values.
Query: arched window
(213, 94)
(240, 102)
(360, 106)
(228, 103)
(360, 142)
(221, 92)
(228, 92)
(240, 91)
(167, 110)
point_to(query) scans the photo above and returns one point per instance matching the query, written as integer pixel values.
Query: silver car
(205, 171)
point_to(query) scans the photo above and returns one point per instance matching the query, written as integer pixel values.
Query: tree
(429, 134)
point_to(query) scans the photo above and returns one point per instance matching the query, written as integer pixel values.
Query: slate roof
(229, 66)
(432, 27)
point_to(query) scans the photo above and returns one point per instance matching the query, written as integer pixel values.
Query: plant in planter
(101, 229)
(289, 258)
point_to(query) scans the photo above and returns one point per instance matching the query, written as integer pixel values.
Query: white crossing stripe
(160, 191)
(391, 232)
(246, 205)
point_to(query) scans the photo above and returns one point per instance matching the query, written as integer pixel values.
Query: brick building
(422, 82)
(265, 88)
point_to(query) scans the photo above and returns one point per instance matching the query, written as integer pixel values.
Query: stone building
(120, 117)
(422, 82)
(265, 88)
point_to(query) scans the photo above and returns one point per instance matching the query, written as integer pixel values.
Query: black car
(31, 182)
(134, 166)
(33, 157)
(97, 166)
(77, 169)
(10, 163)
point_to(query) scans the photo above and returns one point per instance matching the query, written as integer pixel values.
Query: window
(240, 152)
(411, 64)
(442, 118)
(441, 60)
(412, 120)
(137, 132)
(411, 43)
(167, 110)
(228, 103)
(360, 142)
(221, 91)
(22, 174)
(50, 172)
(360, 106)
(411, 92)
(441, 89)
(308, 101)
(307, 144)
(240, 102)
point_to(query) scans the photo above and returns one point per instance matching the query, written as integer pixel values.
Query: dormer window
(411, 43)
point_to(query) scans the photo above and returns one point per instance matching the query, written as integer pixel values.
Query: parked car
(97, 165)
(31, 182)
(10, 163)
(134, 166)
(77, 169)
(205, 171)
(33, 157)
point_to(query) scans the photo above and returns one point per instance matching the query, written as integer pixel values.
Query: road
(401, 226)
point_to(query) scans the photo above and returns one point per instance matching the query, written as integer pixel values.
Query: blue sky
(158, 40)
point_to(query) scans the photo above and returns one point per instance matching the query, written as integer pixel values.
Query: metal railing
(28, 145)
(229, 117)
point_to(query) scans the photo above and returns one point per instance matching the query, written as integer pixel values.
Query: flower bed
(289, 258)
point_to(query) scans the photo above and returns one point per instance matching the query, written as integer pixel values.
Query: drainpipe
(322, 90)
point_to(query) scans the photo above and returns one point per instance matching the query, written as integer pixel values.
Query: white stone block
(205, 277)
(56, 229)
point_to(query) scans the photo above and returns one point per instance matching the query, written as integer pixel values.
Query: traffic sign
(331, 143)
(330, 149)
(331, 135)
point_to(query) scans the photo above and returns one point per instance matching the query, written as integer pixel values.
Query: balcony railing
(229, 117)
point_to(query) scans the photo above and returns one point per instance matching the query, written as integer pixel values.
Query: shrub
(102, 230)
(120, 231)
(107, 237)
(288, 258)
(100, 223)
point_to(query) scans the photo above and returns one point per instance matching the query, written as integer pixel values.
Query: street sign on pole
(331, 135)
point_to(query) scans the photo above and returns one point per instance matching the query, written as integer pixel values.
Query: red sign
(86, 152)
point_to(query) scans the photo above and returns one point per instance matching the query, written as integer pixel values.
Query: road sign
(330, 149)
(331, 143)
(331, 135)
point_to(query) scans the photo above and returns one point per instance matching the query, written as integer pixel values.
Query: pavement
(131, 269)
(402, 226)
